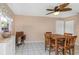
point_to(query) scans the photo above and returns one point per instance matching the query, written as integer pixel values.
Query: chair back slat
(70, 40)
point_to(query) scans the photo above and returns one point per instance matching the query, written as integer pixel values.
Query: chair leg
(70, 52)
(73, 51)
(49, 49)
(45, 46)
(64, 51)
(56, 50)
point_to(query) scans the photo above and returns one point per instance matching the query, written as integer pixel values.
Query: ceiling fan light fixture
(56, 13)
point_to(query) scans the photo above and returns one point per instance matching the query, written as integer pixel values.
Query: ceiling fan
(60, 8)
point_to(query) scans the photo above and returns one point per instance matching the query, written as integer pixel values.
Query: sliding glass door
(69, 26)
(59, 27)
(64, 26)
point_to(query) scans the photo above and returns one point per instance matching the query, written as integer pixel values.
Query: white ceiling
(39, 9)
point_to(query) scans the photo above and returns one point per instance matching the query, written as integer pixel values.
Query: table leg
(56, 49)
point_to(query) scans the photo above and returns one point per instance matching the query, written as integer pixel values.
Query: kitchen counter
(7, 46)
(4, 40)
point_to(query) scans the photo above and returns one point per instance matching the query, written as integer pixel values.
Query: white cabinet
(8, 47)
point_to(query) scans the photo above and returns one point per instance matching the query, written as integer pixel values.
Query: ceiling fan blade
(50, 9)
(66, 9)
(49, 13)
(63, 5)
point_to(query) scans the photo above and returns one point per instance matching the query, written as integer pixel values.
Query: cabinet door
(10, 47)
(3, 48)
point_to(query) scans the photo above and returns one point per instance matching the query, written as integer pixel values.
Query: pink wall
(76, 19)
(34, 27)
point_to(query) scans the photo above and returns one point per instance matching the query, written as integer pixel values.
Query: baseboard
(34, 41)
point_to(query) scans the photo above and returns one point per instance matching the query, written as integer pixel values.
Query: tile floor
(35, 49)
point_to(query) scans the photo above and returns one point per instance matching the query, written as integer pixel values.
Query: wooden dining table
(57, 37)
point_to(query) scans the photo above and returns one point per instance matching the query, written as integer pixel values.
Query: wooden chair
(20, 37)
(52, 45)
(60, 46)
(68, 45)
(47, 39)
(67, 34)
(49, 42)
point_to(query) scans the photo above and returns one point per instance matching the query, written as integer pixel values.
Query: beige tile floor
(36, 49)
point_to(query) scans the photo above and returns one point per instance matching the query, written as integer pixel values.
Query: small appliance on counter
(6, 34)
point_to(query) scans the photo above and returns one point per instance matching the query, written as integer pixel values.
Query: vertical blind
(64, 26)
(59, 27)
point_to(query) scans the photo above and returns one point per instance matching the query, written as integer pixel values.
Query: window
(59, 27)
(5, 24)
(64, 26)
(69, 26)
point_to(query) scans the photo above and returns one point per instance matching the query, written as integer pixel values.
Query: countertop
(5, 40)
